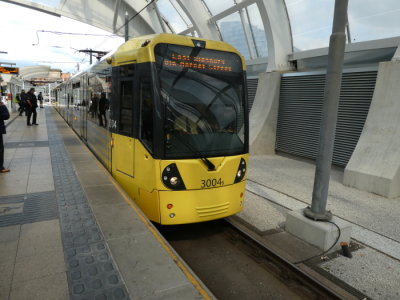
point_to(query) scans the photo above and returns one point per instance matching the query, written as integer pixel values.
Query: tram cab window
(203, 94)
(126, 116)
(146, 120)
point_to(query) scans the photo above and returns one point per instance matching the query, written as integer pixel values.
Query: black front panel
(203, 95)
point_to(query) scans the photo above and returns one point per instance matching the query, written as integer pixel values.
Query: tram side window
(126, 116)
(146, 123)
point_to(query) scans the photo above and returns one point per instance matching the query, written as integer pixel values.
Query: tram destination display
(181, 57)
(196, 62)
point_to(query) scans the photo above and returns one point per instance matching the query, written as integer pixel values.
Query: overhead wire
(70, 33)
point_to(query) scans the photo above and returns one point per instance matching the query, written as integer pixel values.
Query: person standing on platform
(93, 106)
(31, 106)
(40, 98)
(4, 115)
(18, 97)
(23, 97)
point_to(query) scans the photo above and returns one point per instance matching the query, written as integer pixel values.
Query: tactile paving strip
(91, 271)
(36, 207)
(26, 144)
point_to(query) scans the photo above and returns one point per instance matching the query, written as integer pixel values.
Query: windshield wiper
(204, 159)
(170, 129)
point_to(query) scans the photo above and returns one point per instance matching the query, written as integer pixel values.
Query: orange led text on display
(9, 70)
(197, 62)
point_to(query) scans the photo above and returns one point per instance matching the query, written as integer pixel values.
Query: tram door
(68, 110)
(123, 152)
(84, 107)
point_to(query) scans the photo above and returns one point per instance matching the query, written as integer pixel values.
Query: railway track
(236, 263)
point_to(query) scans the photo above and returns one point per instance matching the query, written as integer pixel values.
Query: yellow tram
(167, 116)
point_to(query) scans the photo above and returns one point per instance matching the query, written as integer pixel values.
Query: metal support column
(337, 42)
(126, 26)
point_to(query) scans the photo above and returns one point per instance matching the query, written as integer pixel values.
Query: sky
(26, 46)
(311, 24)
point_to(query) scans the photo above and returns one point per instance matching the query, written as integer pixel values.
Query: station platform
(278, 184)
(68, 231)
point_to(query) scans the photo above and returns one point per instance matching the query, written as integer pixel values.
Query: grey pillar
(126, 26)
(337, 42)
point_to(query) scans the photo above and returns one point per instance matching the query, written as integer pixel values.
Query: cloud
(370, 19)
(311, 21)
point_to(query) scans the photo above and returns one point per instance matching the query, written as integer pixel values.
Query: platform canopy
(34, 72)
(272, 35)
(38, 75)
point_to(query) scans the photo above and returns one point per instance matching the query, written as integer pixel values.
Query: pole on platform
(49, 94)
(126, 26)
(337, 42)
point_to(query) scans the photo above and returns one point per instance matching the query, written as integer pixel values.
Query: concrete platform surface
(68, 231)
(278, 184)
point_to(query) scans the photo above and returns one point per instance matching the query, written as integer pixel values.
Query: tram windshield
(203, 94)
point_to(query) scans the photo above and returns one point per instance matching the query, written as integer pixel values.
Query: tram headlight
(241, 172)
(172, 179)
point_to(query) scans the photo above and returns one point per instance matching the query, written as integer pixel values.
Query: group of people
(28, 102)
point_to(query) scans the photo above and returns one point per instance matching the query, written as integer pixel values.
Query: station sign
(9, 70)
